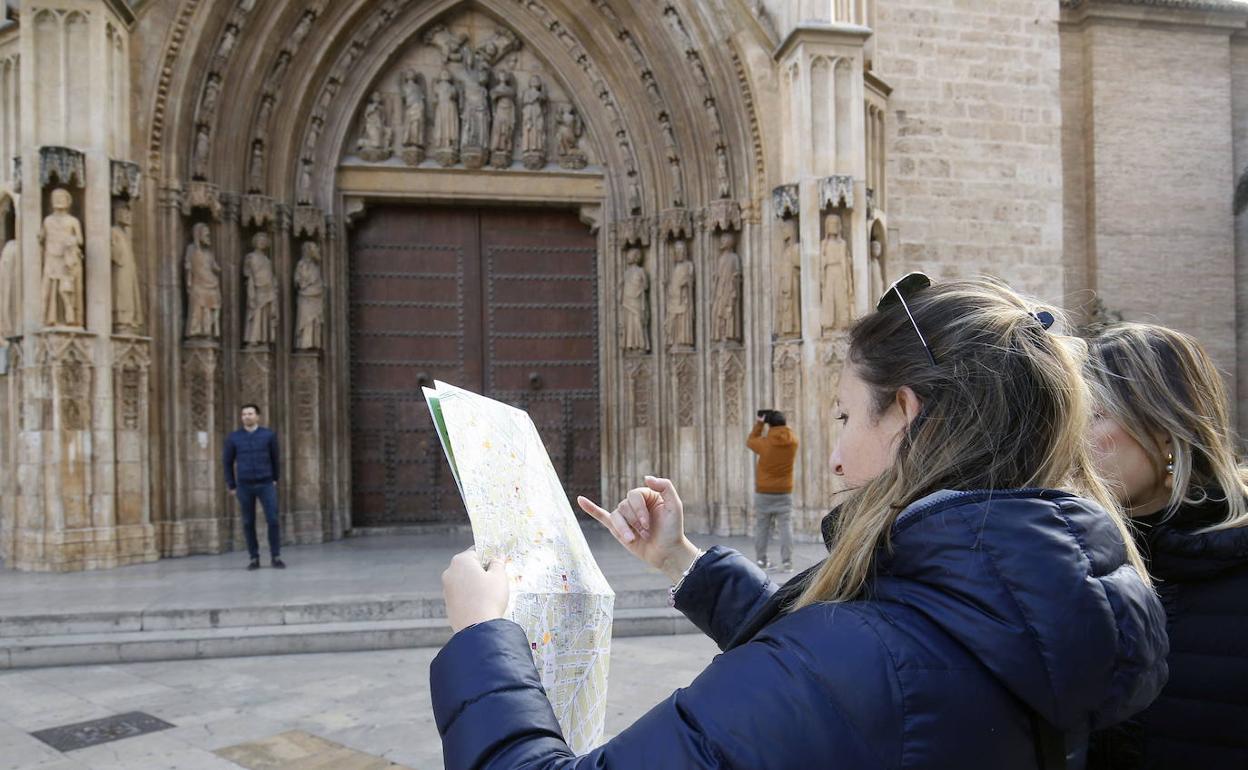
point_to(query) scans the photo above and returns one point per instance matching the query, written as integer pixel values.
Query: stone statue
(303, 191)
(723, 178)
(203, 285)
(679, 326)
(310, 307)
(10, 315)
(199, 157)
(475, 139)
(503, 133)
(375, 139)
(212, 89)
(446, 119)
(635, 303)
(61, 239)
(533, 124)
(568, 131)
(836, 285)
(261, 325)
(726, 300)
(255, 179)
(877, 269)
(127, 294)
(413, 117)
(789, 276)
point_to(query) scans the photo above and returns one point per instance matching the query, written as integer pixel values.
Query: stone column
(306, 502)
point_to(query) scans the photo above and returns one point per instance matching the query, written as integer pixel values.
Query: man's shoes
(278, 563)
(786, 566)
(763, 563)
(255, 564)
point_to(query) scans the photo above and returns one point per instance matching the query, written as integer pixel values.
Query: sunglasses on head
(908, 284)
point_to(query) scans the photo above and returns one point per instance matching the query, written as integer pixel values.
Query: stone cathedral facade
(640, 220)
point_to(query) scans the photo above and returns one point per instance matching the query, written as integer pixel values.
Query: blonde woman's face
(1128, 468)
(868, 442)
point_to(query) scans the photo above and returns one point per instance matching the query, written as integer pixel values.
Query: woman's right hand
(650, 523)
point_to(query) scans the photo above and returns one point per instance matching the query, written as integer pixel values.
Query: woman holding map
(982, 603)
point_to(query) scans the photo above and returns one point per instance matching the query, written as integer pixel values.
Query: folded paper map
(521, 517)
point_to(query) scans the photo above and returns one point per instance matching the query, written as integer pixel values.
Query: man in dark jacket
(252, 466)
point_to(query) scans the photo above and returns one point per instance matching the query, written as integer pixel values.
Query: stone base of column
(83, 549)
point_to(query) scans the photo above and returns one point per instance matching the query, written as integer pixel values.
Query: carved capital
(724, 215)
(785, 201)
(309, 222)
(836, 192)
(634, 230)
(259, 211)
(125, 179)
(202, 195)
(676, 223)
(67, 165)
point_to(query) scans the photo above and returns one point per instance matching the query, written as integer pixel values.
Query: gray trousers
(769, 509)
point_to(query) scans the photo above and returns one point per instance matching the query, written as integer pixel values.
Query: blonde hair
(1005, 407)
(1156, 381)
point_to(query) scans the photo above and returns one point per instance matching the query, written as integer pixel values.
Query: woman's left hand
(474, 595)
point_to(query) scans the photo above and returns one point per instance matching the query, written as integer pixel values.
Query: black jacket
(256, 455)
(1201, 717)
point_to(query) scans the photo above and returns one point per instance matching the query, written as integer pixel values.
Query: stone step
(283, 639)
(341, 610)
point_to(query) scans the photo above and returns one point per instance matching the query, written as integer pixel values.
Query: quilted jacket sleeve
(722, 592)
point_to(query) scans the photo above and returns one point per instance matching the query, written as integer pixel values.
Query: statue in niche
(533, 124)
(726, 301)
(255, 178)
(303, 191)
(60, 236)
(302, 29)
(503, 133)
(635, 303)
(568, 131)
(678, 182)
(10, 316)
(310, 307)
(446, 119)
(877, 268)
(375, 139)
(723, 178)
(199, 157)
(261, 325)
(679, 326)
(474, 144)
(212, 89)
(634, 195)
(203, 285)
(227, 43)
(789, 276)
(836, 282)
(127, 293)
(262, 117)
(413, 89)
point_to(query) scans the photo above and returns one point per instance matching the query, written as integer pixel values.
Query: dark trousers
(266, 492)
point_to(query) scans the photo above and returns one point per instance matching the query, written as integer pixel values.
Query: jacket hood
(1036, 585)
(781, 434)
(1176, 551)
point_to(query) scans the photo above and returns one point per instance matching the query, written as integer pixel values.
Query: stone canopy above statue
(468, 92)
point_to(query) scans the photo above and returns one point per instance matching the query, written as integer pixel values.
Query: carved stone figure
(568, 131)
(301, 29)
(261, 325)
(503, 132)
(533, 124)
(677, 176)
(498, 45)
(789, 276)
(474, 143)
(303, 191)
(375, 138)
(127, 294)
(413, 89)
(262, 117)
(877, 269)
(203, 285)
(60, 236)
(453, 45)
(199, 156)
(310, 307)
(255, 177)
(726, 300)
(635, 303)
(836, 282)
(679, 321)
(723, 179)
(446, 119)
(10, 316)
(212, 89)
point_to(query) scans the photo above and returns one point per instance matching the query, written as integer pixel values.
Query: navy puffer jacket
(992, 612)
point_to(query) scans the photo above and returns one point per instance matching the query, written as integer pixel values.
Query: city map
(521, 517)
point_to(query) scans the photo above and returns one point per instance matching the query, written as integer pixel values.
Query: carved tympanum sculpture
(413, 89)
(376, 135)
(533, 124)
(474, 143)
(568, 131)
(503, 132)
(446, 119)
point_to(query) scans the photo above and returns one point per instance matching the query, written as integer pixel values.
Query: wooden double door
(500, 301)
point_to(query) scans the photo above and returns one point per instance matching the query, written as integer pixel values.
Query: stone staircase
(340, 625)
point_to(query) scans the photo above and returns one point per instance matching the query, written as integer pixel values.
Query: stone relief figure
(127, 294)
(789, 275)
(10, 316)
(453, 45)
(568, 131)
(723, 178)
(446, 119)
(199, 157)
(60, 236)
(836, 283)
(310, 306)
(255, 178)
(635, 303)
(375, 138)
(503, 132)
(498, 45)
(474, 143)
(203, 285)
(533, 124)
(261, 325)
(679, 321)
(303, 191)
(212, 90)
(877, 269)
(726, 300)
(413, 89)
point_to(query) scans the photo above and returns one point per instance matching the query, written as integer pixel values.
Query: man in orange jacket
(773, 484)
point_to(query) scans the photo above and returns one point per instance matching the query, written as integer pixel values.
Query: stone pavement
(373, 702)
